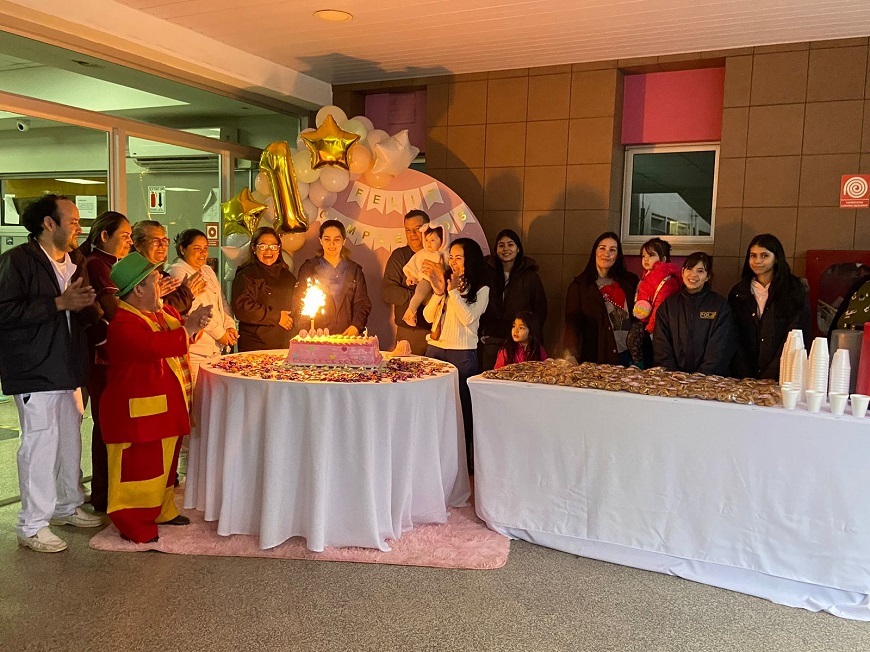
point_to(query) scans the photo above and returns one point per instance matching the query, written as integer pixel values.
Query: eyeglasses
(271, 247)
(159, 241)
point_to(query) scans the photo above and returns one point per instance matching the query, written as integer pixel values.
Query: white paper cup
(790, 397)
(814, 400)
(838, 402)
(859, 404)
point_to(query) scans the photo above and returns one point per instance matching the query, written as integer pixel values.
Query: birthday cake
(334, 350)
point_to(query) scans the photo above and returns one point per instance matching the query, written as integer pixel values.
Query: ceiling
(390, 39)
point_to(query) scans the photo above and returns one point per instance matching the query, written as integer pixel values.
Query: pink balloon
(375, 136)
(359, 158)
(378, 180)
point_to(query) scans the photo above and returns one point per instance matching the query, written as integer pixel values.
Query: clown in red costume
(145, 409)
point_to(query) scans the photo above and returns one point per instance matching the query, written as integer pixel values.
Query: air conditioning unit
(162, 157)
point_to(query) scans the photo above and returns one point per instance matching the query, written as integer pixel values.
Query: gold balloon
(329, 144)
(277, 163)
(241, 214)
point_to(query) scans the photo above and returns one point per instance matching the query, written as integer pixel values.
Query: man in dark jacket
(394, 290)
(46, 302)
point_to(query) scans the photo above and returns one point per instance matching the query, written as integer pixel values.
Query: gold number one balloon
(277, 164)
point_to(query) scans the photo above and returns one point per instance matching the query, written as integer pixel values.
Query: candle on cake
(313, 301)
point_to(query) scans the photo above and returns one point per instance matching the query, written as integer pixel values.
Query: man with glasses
(46, 302)
(150, 240)
(394, 290)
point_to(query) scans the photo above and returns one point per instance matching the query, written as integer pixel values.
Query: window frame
(681, 241)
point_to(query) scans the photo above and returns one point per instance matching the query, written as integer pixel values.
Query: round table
(341, 464)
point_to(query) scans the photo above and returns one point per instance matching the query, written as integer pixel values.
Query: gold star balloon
(329, 144)
(241, 214)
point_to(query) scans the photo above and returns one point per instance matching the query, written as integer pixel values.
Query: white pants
(49, 457)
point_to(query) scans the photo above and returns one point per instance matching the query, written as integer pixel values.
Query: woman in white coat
(192, 248)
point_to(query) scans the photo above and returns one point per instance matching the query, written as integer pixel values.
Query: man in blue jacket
(46, 302)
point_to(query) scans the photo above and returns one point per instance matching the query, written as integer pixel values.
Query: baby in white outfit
(434, 250)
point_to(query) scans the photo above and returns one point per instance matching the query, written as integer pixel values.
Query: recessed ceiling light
(333, 15)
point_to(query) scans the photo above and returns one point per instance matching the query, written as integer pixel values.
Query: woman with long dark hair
(262, 292)
(460, 297)
(767, 303)
(107, 243)
(598, 306)
(515, 287)
(347, 298)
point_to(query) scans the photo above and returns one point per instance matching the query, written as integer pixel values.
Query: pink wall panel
(393, 112)
(684, 106)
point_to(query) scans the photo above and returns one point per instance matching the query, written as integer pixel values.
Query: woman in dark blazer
(262, 292)
(598, 306)
(767, 303)
(347, 300)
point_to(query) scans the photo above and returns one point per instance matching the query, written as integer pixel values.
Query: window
(670, 191)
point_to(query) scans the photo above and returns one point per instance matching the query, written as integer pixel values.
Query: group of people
(672, 318)
(107, 317)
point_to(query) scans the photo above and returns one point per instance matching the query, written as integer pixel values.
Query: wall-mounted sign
(157, 199)
(855, 191)
(87, 205)
(211, 234)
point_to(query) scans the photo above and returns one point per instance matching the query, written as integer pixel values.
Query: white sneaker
(43, 541)
(79, 518)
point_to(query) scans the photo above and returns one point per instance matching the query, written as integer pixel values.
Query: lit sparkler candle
(313, 301)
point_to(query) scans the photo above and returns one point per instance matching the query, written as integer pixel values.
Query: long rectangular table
(760, 500)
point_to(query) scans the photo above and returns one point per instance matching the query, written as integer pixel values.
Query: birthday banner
(390, 238)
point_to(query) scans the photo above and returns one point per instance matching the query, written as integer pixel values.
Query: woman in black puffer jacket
(515, 286)
(767, 303)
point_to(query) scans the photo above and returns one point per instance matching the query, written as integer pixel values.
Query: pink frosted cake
(338, 350)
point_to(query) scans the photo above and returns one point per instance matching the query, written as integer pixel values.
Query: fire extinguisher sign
(157, 199)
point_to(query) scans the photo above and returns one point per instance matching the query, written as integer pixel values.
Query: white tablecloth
(759, 500)
(341, 464)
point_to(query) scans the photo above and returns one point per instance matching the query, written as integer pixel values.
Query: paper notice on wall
(211, 209)
(87, 205)
(10, 213)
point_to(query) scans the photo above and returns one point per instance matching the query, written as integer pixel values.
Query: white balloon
(303, 189)
(300, 144)
(334, 179)
(394, 155)
(302, 165)
(310, 209)
(320, 196)
(356, 127)
(375, 136)
(262, 185)
(337, 114)
(237, 240)
(368, 124)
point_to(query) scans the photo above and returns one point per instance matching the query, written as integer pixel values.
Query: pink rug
(463, 542)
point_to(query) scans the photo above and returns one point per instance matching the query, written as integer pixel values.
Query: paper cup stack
(819, 366)
(799, 372)
(794, 342)
(841, 372)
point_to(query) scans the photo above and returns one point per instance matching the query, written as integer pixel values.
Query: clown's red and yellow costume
(143, 415)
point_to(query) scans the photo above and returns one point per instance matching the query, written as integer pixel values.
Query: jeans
(466, 362)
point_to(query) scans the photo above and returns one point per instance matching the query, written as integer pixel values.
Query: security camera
(23, 125)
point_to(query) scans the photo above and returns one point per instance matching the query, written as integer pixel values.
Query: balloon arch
(345, 169)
